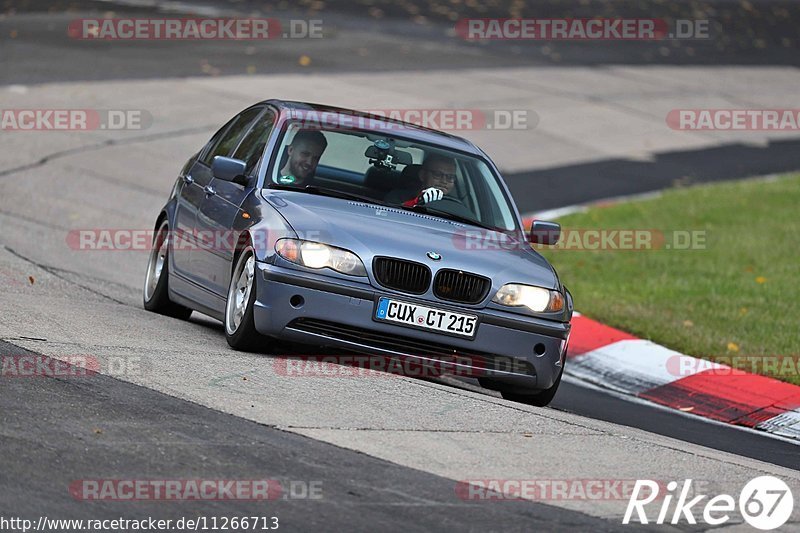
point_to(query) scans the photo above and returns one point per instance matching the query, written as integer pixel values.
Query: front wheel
(240, 328)
(539, 399)
(156, 280)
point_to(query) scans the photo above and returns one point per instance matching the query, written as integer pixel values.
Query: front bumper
(339, 313)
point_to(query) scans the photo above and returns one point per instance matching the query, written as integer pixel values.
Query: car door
(215, 218)
(190, 197)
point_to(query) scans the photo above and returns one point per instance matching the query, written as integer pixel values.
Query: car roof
(410, 131)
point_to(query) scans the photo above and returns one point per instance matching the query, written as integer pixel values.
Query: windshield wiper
(450, 216)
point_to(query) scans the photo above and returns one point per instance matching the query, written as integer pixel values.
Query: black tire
(243, 335)
(155, 297)
(539, 399)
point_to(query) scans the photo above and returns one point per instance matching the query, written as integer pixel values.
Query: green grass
(740, 296)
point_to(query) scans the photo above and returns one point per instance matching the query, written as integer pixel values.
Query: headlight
(537, 299)
(317, 255)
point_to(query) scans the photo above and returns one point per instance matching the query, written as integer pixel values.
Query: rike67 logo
(765, 503)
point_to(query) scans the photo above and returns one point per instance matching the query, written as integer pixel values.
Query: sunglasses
(441, 176)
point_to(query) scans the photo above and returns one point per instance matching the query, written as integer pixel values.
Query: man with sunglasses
(438, 176)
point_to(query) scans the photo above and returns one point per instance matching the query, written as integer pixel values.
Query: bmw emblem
(434, 256)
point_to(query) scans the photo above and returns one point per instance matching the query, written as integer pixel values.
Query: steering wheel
(452, 205)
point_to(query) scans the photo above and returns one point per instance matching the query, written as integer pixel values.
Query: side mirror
(228, 169)
(543, 232)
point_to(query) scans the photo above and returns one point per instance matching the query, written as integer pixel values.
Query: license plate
(428, 318)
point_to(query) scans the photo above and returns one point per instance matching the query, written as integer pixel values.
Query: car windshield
(382, 168)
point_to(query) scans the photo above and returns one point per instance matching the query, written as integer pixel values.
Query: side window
(230, 138)
(252, 146)
(210, 145)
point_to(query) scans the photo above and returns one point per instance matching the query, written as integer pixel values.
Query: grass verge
(734, 298)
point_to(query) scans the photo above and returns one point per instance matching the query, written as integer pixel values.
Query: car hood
(371, 230)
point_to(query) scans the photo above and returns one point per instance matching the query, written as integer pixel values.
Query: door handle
(209, 190)
(188, 179)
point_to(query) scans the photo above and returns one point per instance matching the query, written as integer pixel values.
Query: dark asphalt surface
(109, 429)
(603, 406)
(574, 184)
(36, 49)
(386, 35)
(145, 433)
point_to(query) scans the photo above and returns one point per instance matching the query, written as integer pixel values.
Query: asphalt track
(104, 427)
(147, 428)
